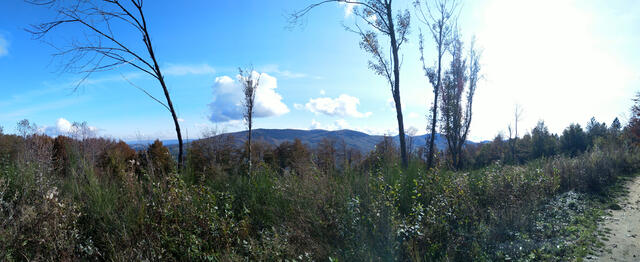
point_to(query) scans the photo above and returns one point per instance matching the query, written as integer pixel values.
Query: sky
(561, 61)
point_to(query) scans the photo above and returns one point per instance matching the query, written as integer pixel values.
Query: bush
(298, 206)
(36, 221)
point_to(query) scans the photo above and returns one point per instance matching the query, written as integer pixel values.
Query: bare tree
(379, 15)
(440, 20)
(24, 128)
(514, 140)
(100, 48)
(250, 82)
(460, 81)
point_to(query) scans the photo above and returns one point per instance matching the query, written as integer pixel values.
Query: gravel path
(624, 225)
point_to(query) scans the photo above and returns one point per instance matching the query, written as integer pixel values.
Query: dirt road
(624, 237)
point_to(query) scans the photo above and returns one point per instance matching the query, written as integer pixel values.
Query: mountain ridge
(353, 139)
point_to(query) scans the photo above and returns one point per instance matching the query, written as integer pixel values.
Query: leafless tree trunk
(440, 21)
(514, 140)
(378, 14)
(250, 82)
(101, 49)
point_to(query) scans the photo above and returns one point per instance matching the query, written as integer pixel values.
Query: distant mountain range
(142, 144)
(353, 139)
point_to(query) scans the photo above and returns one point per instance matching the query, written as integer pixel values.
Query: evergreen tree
(573, 140)
(634, 122)
(595, 130)
(615, 126)
(542, 142)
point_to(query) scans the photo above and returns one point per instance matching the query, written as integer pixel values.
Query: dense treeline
(573, 141)
(92, 198)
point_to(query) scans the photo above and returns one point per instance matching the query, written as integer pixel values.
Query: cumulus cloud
(65, 127)
(341, 124)
(344, 105)
(181, 70)
(298, 106)
(228, 97)
(4, 46)
(315, 124)
(336, 125)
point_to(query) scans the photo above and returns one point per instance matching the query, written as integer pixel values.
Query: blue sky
(562, 61)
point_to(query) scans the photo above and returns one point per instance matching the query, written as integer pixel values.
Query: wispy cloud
(275, 69)
(109, 78)
(30, 95)
(188, 69)
(348, 8)
(168, 70)
(26, 111)
(4, 46)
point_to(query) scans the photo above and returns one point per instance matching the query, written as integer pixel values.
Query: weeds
(111, 203)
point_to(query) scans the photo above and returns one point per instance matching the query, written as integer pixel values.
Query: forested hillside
(312, 138)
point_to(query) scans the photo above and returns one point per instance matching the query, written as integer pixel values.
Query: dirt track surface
(624, 237)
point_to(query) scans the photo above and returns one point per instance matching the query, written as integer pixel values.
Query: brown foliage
(159, 160)
(62, 147)
(294, 157)
(116, 158)
(326, 155)
(10, 147)
(213, 156)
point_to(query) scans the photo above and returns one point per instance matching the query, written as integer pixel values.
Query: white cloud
(108, 78)
(348, 8)
(414, 115)
(344, 105)
(228, 97)
(298, 106)
(336, 125)
(180, 120)
(342, 124)
(181, 70)
(392, 104)
(315, 124)
(286, 74)
(289, 74)
(322, 92)
(65, 127)
(4, 46)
